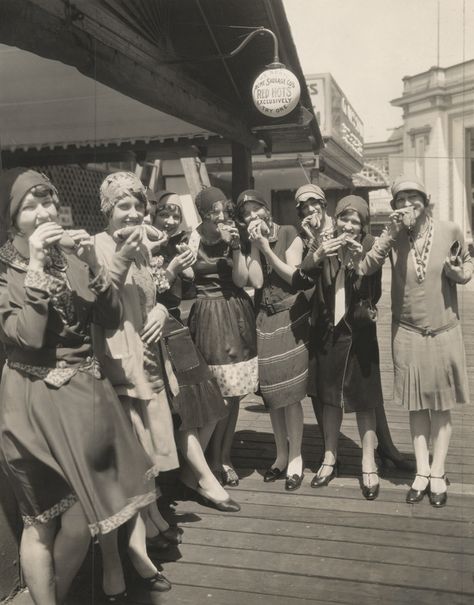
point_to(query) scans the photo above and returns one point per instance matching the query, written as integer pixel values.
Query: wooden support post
(195, 173)
(241, 169)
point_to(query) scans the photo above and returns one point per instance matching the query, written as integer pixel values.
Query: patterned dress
(222, 322)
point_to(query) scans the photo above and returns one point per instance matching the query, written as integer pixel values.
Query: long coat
(344, 366)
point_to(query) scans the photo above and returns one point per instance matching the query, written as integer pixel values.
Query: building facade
(435, 142)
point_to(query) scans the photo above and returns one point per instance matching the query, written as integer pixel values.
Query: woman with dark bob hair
(199, 404)
(344, 373)
(282, 331)
(68, 451)
(316, 227)
(222, 321)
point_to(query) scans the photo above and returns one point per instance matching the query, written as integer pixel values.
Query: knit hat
(14, 185)
(206, 199)
(310, 192)
(117, 186)
(408, 183)
(356, 203)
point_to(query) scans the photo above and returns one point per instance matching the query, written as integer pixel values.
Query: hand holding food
(258, 228)
(130, 246)
(44, 236)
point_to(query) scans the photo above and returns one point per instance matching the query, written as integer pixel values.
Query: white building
(436, 141)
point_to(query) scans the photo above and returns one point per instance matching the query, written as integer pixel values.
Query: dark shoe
(417, 495)
(439, 499)
(157, 583)
(322, 481)
(294, 482)
(173, 534)
(398, 461)
(230, 477)
(370, 492)
(272, 474)
(121, 598)
(226, 506)
(158, 542)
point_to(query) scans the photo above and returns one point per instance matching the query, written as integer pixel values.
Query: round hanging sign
(276, 92)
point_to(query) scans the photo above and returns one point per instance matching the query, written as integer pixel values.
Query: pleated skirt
(430, 371)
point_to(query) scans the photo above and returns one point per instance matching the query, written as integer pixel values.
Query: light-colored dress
(140, 374)
(427, 345)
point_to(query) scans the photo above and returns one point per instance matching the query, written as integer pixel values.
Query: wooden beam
(241, 169)
(99, 49)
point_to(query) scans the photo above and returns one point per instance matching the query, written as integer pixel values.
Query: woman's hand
(153, 328)
(396, 222)
(328, 248)
(258, 230)
(311, 225)
(132, 244)
(44, 236)
(455, 272)
(182, 261)
(84, 248)
(261, 243)
(354, 250)
(234, 238)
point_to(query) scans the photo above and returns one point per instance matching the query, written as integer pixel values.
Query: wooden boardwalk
(329, 545)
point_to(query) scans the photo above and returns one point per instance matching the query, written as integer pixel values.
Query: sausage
(122, 234)
(153, 234)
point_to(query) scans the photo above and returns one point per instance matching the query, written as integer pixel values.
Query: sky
(370, 45)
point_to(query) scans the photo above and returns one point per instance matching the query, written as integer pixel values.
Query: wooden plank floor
(329, 545)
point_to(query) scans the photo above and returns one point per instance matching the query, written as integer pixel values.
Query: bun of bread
(67, 242)
(408, 218)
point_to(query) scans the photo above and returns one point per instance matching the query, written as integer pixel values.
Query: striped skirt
(282, 344)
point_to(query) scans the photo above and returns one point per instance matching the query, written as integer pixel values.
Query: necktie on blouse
(340, 295)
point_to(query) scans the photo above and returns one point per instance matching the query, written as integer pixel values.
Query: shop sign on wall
(276, 92)
(336, 116)
(65, 216)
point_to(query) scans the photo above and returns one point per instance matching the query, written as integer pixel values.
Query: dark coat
(344, 366)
